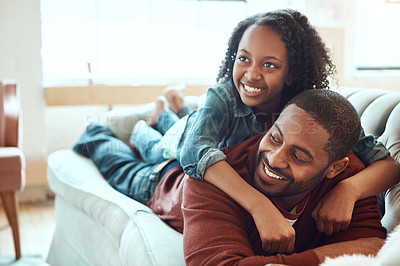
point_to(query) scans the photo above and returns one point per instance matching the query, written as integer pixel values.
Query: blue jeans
(119, 165)
(147, 139)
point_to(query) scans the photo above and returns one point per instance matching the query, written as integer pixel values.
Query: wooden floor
(37, 224)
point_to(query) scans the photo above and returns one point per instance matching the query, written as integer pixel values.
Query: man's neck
(289, 202)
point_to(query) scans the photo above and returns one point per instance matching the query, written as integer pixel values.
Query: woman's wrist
(350, 188)
(258, 203)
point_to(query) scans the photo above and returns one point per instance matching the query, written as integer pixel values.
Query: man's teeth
(251, 89)
(272, 174)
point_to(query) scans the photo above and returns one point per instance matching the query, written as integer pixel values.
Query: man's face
(291, 160)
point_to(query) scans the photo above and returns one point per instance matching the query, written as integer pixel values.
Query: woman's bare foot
(161, 105)
(175, 96)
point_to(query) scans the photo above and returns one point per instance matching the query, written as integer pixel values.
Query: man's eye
(297, 157)
(269, 65)
(274, 139)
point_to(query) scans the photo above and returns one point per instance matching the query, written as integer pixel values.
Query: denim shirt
(225, 120)
(369, 150)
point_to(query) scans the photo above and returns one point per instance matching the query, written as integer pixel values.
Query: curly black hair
(310, 63)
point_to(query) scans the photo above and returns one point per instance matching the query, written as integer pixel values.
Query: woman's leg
(147, 140)
(175, 95)
(119, 165)
(166, 120)
(185, 110)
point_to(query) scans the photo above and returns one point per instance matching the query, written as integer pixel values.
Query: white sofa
(96, 225)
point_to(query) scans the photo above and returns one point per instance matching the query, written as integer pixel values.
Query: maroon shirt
(219, 231)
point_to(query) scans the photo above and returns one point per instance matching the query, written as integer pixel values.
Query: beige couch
(96, 225)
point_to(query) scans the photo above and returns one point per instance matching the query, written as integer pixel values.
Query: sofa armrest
(122, 226)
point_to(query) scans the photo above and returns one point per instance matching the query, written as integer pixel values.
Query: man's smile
(271, 176)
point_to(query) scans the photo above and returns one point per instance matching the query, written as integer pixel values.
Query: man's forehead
(300, 126)
(296, 121)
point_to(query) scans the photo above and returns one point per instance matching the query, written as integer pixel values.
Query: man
(299, 160)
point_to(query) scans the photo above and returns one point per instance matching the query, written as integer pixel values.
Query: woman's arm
(276, 234)
(218, 231)
(205, 129)
(201, 158)
(334, 212)
(376, 178)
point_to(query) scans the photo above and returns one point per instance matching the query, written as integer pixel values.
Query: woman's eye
(243, 59)
(269, 65)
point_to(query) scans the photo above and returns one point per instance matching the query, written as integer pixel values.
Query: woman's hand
(333, 213)
(277, 235)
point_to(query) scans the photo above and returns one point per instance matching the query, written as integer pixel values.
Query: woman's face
(261, 68)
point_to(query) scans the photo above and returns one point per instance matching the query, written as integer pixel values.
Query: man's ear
(336, 167)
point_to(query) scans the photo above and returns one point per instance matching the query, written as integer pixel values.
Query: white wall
(20, 44)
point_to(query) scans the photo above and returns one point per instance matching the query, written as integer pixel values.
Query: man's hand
(333, 213)
(277, 235)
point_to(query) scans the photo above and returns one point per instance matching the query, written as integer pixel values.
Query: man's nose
(253, 73)
(277, 159)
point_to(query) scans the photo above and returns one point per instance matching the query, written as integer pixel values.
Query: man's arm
(218, 231)
(366, 246)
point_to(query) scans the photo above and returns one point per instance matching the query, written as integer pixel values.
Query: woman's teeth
(272, 174)
(251, 89)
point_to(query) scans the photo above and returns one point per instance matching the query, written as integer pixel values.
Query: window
(139, 41)
(376, 39)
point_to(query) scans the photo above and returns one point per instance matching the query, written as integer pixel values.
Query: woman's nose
(253, 73)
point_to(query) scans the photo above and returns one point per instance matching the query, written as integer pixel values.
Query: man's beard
(292, 187)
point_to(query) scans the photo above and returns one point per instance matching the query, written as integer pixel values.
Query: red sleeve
(217, 231)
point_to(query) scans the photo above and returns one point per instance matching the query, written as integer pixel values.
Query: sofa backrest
(380, 114)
